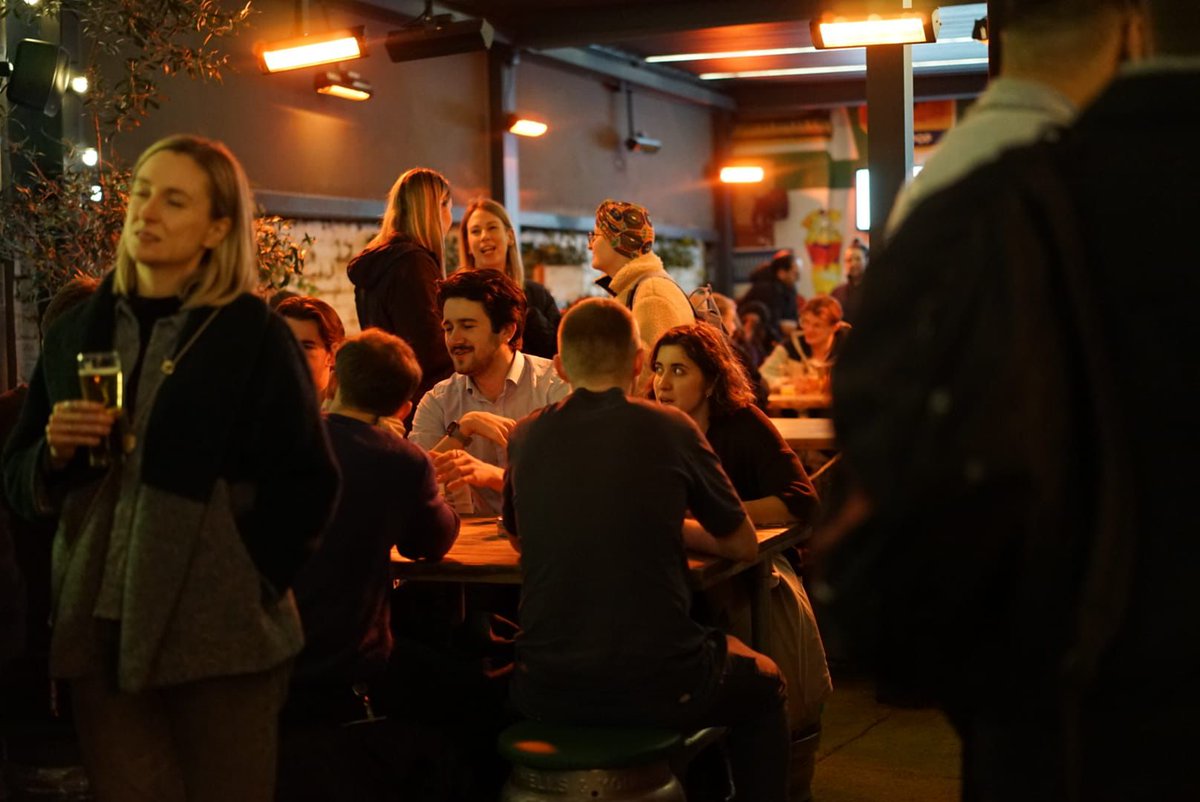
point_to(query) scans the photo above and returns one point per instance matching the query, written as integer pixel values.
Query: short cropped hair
(305, 307)
(502, 299)
(1175, 26)
(1043, 34)
(598, 338)
(69, 295)
(376, 372)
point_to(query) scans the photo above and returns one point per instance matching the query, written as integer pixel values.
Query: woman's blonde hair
(229, 269)
(514, 268)
(414, 208)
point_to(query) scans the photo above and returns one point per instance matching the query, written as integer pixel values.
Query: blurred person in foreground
(1023, 447)
(595, 497)
(1057, 56)
(173, 618)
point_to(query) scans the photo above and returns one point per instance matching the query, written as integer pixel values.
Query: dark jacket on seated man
(389, 497)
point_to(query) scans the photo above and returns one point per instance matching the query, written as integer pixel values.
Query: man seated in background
(319, 331)
(854, 263)
(594, 498)
(465, 419)
(774, 285)
(389, 497)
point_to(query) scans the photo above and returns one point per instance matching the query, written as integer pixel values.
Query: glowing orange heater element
(744, 174)
(523, 126)
(910, 27)
(309, 51)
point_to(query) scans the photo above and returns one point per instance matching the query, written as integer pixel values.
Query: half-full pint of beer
(100, 380)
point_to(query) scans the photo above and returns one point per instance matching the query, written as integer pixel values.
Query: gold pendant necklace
(170, 363)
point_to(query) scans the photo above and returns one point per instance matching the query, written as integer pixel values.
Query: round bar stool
(567, 763)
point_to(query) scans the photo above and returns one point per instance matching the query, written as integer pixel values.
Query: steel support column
(889, 130)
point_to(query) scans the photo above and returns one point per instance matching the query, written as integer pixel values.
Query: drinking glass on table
(100, 380)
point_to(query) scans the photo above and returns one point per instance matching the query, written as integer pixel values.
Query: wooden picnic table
(483, 554)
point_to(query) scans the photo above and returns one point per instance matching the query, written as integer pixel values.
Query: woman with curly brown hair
(696, 372)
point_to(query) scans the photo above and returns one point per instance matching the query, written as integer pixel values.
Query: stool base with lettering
(565, 763)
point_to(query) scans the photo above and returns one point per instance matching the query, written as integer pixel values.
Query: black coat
(395, 289)
(541, 321)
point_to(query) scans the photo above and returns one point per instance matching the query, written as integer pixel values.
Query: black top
(760, 463)
(395, 289)
(148, 311)
(541, 321)
(596, 489)
(389, 497)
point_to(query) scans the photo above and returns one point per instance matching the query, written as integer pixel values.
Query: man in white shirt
(1057, 57)
(465, 419)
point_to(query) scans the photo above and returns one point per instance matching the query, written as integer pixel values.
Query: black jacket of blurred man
(1017, 410)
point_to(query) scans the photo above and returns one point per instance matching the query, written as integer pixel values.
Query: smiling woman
(488, 241)
(172, 562)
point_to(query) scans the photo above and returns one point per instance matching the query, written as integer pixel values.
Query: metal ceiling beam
(630, 69)
(771, 98)
(624, 21)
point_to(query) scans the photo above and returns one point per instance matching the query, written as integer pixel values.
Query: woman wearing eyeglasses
(395, 278)
(487, 240)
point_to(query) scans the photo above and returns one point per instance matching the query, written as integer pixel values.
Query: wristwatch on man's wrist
(455, 431)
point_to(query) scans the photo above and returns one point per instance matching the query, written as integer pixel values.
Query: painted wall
(583, 159)
(430, 113)
(433, 113)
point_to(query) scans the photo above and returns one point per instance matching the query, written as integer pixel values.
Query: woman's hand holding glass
(76, 424)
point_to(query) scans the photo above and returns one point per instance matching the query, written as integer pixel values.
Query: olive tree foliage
(61, 223)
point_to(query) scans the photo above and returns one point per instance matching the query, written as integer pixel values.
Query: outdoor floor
(871, 752)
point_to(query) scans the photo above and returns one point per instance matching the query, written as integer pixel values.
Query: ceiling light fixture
(526, 126)
(906, 28)
(742, 174)
(80, 85)
(345, 44)
(783, 73)
(342, 83)
(777, 51)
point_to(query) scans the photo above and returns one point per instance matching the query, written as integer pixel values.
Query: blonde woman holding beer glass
(173, 621)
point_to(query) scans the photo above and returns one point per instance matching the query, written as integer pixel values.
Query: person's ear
(560, 370)
(639, 360)
(507, 332)
(218, 229)
(1136, 44)
(405, 408)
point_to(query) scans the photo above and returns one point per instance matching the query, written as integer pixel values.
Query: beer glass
(100, 381)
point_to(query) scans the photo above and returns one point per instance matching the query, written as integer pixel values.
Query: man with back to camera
(1057, 439)
(621, 246)
(595, 497)
(465, 419)
(389, 498)
(1057, 56)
